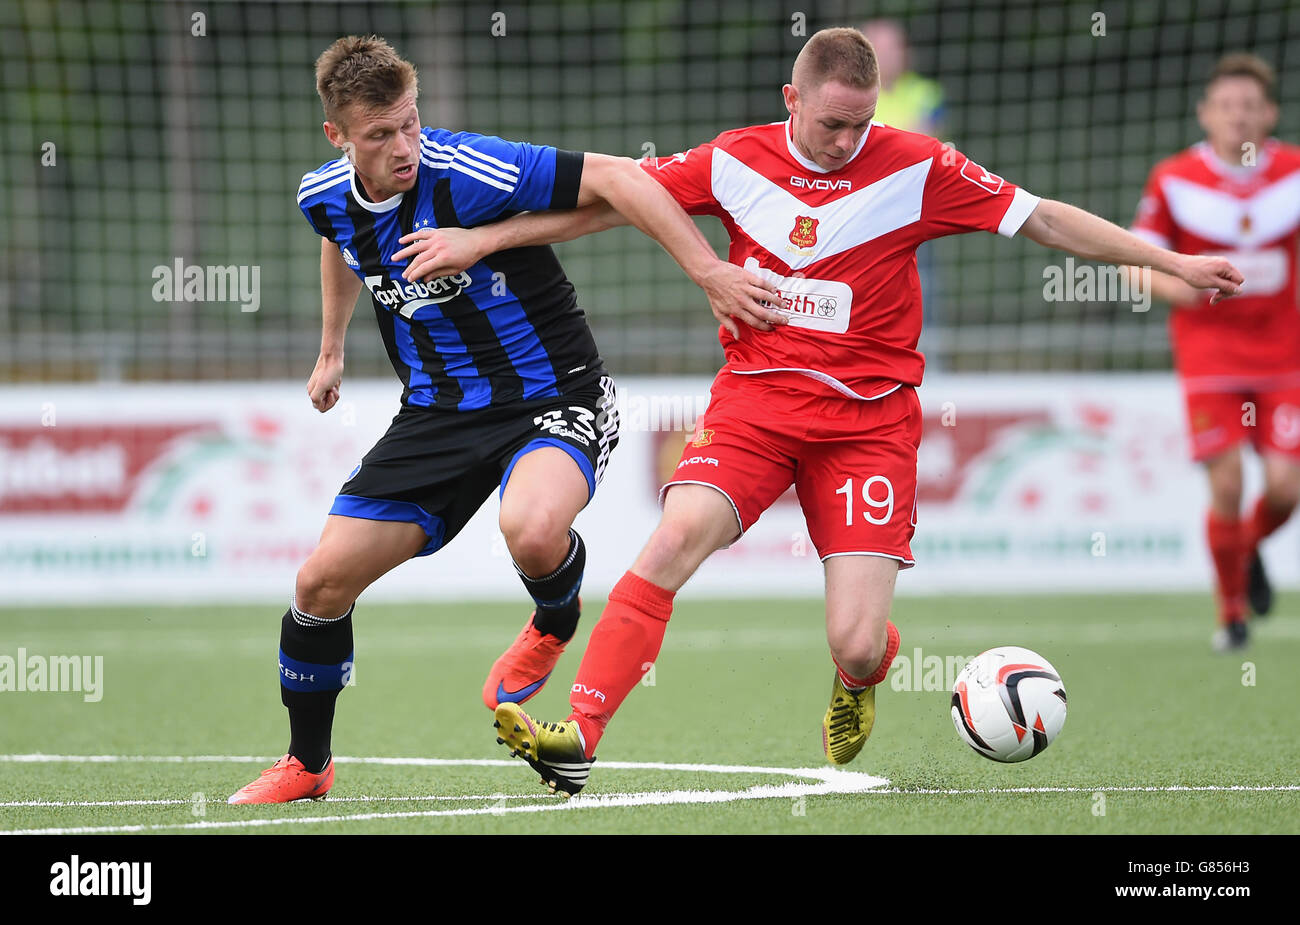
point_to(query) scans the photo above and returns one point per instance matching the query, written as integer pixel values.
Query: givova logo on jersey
(406, 298)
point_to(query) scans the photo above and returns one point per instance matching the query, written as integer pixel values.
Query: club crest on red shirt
(976, 174)
(804, 234)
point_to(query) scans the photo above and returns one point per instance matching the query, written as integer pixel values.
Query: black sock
(556, 594)
(315, 664)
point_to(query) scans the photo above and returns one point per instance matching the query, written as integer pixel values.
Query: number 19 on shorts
(876, 498)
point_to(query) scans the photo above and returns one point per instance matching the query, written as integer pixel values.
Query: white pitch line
(462, 797)
(828, 781)
(814, 773)
(39, 758)
(834, 785)
(839, 782)
(1172, 788)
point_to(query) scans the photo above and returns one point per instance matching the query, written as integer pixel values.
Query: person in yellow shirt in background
(907, 100)
(912, 103)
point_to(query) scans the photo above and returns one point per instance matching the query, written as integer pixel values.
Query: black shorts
(436, 468)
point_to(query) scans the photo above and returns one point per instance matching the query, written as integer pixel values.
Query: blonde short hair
(362, 70)
(1246, 65)
(840, 54)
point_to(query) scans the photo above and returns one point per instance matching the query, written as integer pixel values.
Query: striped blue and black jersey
(509, 328)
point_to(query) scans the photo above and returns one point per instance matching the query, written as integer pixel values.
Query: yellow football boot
(848, 722)
(553, 749)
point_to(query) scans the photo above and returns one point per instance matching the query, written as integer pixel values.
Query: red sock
(1229, 550)
(1263, 522)
(623, 646)
(882, 670)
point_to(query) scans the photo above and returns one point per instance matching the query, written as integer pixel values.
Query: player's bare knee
(319, 590)
(859, 661)
(1282, 494)
(1226, 504)
(1225, 483)
(664, 548)
(538, 540)
(1225, 493)
(677, 540)
(858, 647)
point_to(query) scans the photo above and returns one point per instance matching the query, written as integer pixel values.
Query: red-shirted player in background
(1236, 194)
(830, 207)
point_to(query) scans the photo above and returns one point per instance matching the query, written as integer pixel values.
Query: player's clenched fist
(323, 386)
(1211, 273)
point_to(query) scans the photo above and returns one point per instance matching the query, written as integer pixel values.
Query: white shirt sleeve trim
(1022, 204)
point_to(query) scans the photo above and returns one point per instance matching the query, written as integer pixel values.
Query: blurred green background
(169, 144)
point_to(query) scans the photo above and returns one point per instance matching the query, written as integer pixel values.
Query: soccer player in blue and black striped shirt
(504, 389)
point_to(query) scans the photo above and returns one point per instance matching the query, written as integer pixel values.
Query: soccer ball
(1008, 703)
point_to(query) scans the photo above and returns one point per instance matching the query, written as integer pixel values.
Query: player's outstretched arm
(339, 288)
(613, 191)
(435, 252)
(733, 292)
(1065, 227)
(1164, 287)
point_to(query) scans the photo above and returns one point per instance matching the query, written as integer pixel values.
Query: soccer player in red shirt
(829, 207)
(1236, 194)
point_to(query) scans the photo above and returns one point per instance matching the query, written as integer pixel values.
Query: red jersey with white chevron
(840, 245)
(1194, 203)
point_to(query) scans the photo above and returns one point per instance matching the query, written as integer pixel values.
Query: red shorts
(1268, 418)
(852, 462)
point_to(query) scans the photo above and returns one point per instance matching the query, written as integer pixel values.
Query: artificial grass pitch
(1162, 736)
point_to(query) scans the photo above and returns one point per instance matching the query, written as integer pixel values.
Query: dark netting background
(168, 145)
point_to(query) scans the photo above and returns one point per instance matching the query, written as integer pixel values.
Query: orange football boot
(285, 781)
(524, 667)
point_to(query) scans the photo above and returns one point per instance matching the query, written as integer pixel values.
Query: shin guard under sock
(315, 664)
(623, 646)
(556, 594)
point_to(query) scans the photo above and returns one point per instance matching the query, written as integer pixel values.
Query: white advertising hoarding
(218, 491)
